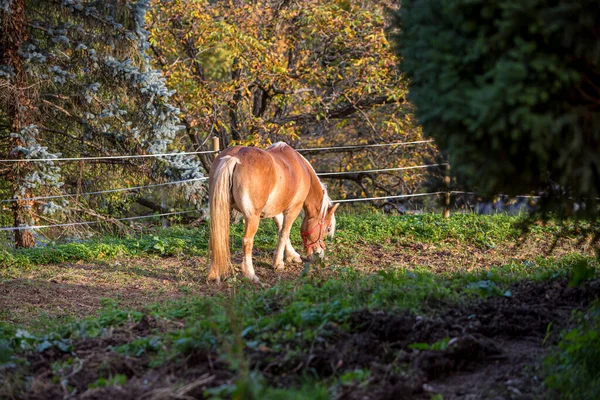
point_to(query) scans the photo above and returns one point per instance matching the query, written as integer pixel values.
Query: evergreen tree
(75, 80)
(510, 89)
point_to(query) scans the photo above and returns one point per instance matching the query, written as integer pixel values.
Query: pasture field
(403, 307)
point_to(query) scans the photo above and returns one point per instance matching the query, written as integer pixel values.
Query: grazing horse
(274, 183)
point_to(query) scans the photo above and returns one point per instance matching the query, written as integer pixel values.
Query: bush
(574, 369)
(510, 89)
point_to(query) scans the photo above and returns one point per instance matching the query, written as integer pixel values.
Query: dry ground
(33, 295)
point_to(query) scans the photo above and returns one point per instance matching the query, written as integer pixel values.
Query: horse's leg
(291, 255)
(284, 237)
(251, 227)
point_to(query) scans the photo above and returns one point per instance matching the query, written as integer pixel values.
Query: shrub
(510, 89)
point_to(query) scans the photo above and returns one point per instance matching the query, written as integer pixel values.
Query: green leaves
(439, 345)
(505, 88)
(486, 288)
(116, 380)
(574, 369)
(581, 271)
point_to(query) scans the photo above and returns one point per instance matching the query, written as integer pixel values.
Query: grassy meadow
(402, 304)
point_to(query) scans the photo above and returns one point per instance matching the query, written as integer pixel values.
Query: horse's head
(314, 229)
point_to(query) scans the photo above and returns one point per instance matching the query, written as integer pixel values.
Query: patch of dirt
(492, 348)
(456, 256)
(95, 358)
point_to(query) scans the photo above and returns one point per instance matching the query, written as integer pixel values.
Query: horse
(275, 183)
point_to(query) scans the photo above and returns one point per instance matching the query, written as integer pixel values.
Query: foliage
(439, 345)
(255, 388)
(115, 380)
(509, 89)
(288, 317)
(320, 71)
(90, 91)
(574, 368)
(14, 340)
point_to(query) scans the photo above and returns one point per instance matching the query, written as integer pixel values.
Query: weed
(112, 381)
(440, 345)
(574, 368)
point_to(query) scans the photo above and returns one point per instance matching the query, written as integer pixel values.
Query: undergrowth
(292, 316)
(288, 317)
(484, 231)
(574, 367)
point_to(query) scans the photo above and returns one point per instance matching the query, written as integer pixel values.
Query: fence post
(446, 196)
(163, 206)
(215, 144)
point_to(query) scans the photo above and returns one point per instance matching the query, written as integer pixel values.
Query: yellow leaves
(304, 58)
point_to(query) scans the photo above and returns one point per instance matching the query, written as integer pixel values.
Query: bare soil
(494, 349)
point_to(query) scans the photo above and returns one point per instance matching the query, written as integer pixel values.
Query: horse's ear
(333, 208)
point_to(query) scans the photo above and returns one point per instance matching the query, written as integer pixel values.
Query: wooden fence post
(163, 205)
(215, 143)
(446, 196)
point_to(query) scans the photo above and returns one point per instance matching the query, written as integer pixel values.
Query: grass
(377, 262)
(287, 317)
(63, 281)
(573, 369)
(483, 231)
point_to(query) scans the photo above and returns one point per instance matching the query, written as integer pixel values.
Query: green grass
(484, 231)
(285, 318)
(291, 309)
(294, 314)
(573, 369)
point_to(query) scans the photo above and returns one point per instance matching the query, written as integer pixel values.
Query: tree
(75, 80)
(317, 70)
(510, 90)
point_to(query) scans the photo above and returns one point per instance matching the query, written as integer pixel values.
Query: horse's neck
(314, 200)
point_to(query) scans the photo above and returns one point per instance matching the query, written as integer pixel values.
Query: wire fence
(188, 153)
(125, 189)
(370, 171)
(365, 146)
(97, 158)
(20, 228)
(133, 188)
(400, 196)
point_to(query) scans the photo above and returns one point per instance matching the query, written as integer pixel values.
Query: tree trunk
(12, 34)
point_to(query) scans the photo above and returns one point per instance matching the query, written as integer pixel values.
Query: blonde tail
(220, 208)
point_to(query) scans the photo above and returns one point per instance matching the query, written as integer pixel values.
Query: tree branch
(151, 205)
(342, 111)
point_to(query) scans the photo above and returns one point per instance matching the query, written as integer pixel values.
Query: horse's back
(266, 181)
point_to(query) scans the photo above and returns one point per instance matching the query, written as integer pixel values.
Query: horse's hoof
(253, 279)
(212, 277)
(278, 267)
(296, 260)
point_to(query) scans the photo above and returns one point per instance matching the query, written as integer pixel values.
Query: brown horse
(273, 183)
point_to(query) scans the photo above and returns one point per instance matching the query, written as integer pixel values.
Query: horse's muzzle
(317, 254)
